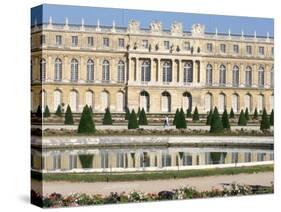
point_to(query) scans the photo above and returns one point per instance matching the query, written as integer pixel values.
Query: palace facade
(156, 69)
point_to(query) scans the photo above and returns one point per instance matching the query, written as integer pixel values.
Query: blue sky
(122, 16)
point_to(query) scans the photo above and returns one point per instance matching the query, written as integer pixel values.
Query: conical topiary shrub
(209, 117)
(265, 124)
(138, 114)
(195, 116)
(247, 114)
(107, 119)
(39, 111)
(59, 111)
(256, 115)
(46, 112)
(181, 122)
(231, 114)
(271, 119)
(91, 109)
(176, 117)
(216, 124)
(68, 119)
(188, 113)
(133, 122)
(142, 118)
(242, 121)
(225, 120)
(86, 124)
(127, 114)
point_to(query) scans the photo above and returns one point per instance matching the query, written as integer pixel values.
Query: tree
(39, 111)
(271, 119)
(138, 114)
(46, 112)
(68, 119)
(231, 114)
(188, 113)
(195, 116)
(264, 124)
(242, 121)
(86, 124)
(107, 119)
(209, 117)
(133, 122)
(216, 124)
(225, 120)
(247, 114)
(181, 123)
(142, 118)
(176, 116)
(256, 115)
(127, 115)
(59, 111)
(91, 109)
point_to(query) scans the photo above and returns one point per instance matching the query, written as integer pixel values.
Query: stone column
(152, 70)
(180, 73)
(174, 71)
(215, 74)
(203, 73)
(266, 76)
(229, 75)
(160, 80)
(137, 70)
(113, 72)
(195, 72)
(82, 69)
(254, 76)
(66, 70)
(242, 75)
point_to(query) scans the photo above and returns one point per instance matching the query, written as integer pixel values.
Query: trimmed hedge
(46, 112)
(231, 114)
(209, 117)
(264, 124)
(216, 124)
(195, 116)
(39, 111)
(107, 119)
(181, 122)
(142, 118)
(242, 119)
(225, 120)
(176, 117)
(86, 161)
(133, 121)
(59, 111)
(86, 124)
(271, 119)
(68, 119)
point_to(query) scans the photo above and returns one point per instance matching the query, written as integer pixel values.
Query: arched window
(121, 71)
(248, 102)
(43, 100)
(104, 100)
(74, 70)
(145, 71)
(235, 76)
(209, 74)
(235, 103)
(90, 70)
(57, 99)
(167, 72)
(43, 70)
(272, 77)
(73, 100)
(89, 99)
(261, 76)
(248, 76)
(187, 72)
(105, 71)
(208, 105)
(166, 102)
(58, 70)
(222, 75)
(222, 102)
(187, 101)
(260, 105)
(120, 103)
(144, 101)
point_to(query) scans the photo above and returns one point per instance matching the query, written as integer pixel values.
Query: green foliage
(209, 117)
(231, 114)
(265, 124)
(188, 113)
(142, 118)
(176, 116)
(181, 123)
(195, 116)
(133, 122)
(127, 115)
(86, 161)
(256, 115)
(39, 111)
(59, 111)
(242, 119)
(138, 114)
(91, 109)
(247, 114)
(225, 120)
(68, 119)
(46, 112)
(107, 119)
(217, 157)
(216, 124)
(86, 124)
(271, 119)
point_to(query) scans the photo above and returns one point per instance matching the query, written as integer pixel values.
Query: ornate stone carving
(156, 27)
(133, 26)
(198, 30)
(176, 28)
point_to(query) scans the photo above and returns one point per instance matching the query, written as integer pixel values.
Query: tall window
(144, 101)
(105, 71)
(209, 47)
(74, 41)
(261, 51)
(222, 48)
(249, 50)
(105, 42)
(187, 72)
(261, 76)
(42, 39)
(209, 74)
(222, 102)
(235, 49)
(272, 77)
(145, 44)
(121, 43)
(145, 71)
(166, 102)
(42, 70)
(58, 40)
(74, 70)
(166, 44)
(208, 102)
(167, 72)
(235, 103)
(186, 46)
(235, 76)
(90, 71)
(248, 76)
(121, 71)
(90, 41)
(58, 70)
(222, 75)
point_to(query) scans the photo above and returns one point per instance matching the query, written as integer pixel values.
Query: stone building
(156, 69)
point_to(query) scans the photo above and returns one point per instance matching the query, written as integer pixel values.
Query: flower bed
(57, 200)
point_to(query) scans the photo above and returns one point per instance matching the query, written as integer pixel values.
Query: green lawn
(156, 175)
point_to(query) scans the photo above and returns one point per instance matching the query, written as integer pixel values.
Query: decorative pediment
(176, 28)
(198, 30)
(133, 26)
(156, 27)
